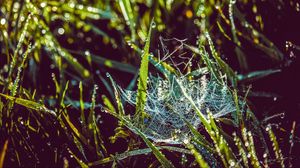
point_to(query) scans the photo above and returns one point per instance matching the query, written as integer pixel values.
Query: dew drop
(153, 25)
(265, 155)
(3, 21)
(60, 31)
(108, 75)
(282, 115)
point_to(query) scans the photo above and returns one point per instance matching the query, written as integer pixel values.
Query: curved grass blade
(109, 63)
(135, 153)
(29, 104)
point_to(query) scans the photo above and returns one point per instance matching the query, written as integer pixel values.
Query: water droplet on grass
(108, 75)
(153, 25)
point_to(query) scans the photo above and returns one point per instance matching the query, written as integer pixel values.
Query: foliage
(190, 109)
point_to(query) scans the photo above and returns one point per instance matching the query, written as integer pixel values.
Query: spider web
(167, 107)
(180, 58)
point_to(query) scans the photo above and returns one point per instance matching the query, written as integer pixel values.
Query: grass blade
(142, 81)
(3, 153)
(29, 104)
(255, 75)
(128, 14)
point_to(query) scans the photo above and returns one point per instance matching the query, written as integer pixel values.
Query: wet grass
(62, 64)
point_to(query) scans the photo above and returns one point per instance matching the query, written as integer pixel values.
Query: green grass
(45, 72)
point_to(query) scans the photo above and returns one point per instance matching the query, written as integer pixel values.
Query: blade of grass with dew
(237, 115)
(80, 9)
(248, 139)
(29, 104)
(20, 68)
(57, 86)
(253, 151)
(107, 85)
(128, 14)
(202, 163)
(268, 47)
(136, 152)
(19, 45)
(62, 97)
(198, 72)
(200, 139)
(79, 161)
(276, 148)
(208, 62)
(242, 151)
(221, 143)
(222, 65)
(141, 97)
(120, 132)
(117, 96)
(108, 103)
(108, 63)
(255, 75)
(240, 54)
(74, 129)
(82, 116)
(92, 126)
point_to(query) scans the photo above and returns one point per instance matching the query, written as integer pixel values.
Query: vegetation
(143, 83)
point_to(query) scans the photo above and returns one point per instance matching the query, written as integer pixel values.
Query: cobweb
(177, 56)
(167, 107)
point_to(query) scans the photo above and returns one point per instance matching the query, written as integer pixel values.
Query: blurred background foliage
(49, 48)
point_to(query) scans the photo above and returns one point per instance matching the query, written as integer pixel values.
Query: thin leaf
(136, 152)
(108, 62)
(29, 104)
(142, 81)
(117, 96)
(128, 14)
(202, 163)
(82, 116)
(255, 75)
(3, 153)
